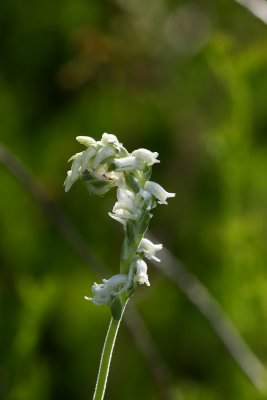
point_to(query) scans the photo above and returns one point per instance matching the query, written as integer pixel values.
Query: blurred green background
(187, 79)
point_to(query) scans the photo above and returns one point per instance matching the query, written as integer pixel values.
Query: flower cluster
(93, 164)
(106, 164)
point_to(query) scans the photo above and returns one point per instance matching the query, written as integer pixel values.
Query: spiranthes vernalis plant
(104, 165)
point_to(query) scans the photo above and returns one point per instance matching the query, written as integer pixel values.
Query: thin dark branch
(199, 295)
(50, 208)
(149, 350)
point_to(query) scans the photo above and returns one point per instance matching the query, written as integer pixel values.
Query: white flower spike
(105, 164)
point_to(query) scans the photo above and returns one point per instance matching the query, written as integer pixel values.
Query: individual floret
(149, 249)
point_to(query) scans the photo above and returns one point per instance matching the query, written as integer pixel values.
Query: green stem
(106, 357)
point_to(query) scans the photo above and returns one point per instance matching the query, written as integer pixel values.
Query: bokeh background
(187, 79)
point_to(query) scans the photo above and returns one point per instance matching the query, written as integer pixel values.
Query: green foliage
(187, 79)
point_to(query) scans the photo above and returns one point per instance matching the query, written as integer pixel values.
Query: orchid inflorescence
(106, 164)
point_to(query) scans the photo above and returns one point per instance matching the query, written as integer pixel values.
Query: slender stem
(106, 356)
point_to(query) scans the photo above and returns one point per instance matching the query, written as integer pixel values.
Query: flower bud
(108, 138)
(86, 140)
(141, 272)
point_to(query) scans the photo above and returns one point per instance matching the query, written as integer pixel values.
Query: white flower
(105, 292)
(86, 140)
(126, 198)
(146, 156)
(127, 207)
(156, 190)
(80, 162)
(139, 159)
(101, 294)
(149, 249)
(141, 272)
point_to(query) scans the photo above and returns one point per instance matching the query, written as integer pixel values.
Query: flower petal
(86, 140)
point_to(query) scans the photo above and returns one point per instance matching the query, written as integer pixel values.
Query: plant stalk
(106, 357)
